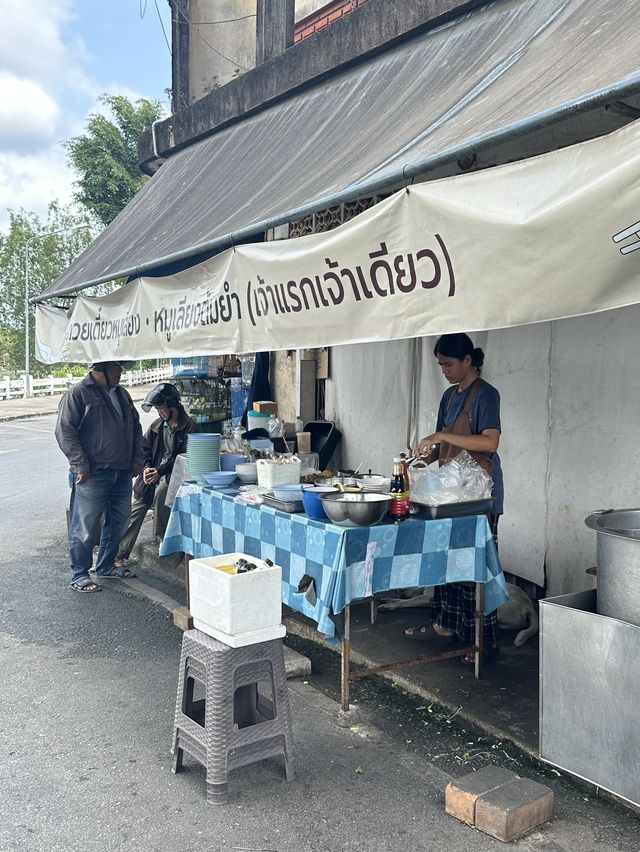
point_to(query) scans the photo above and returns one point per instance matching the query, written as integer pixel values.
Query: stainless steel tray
(283, 505)
(456, 510)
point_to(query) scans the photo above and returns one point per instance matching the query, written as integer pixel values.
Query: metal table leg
(345, 654)
(479, 654)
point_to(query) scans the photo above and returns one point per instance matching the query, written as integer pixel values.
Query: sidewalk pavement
(38, 406)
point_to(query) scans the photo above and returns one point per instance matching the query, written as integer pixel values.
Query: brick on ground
(513, 808)
(462, 794)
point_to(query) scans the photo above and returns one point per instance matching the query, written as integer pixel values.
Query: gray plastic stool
(235, 724)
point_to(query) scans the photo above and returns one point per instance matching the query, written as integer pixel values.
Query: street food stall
(325, 567)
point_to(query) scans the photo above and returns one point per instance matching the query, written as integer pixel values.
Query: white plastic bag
(460, 480)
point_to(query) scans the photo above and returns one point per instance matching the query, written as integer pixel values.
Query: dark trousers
(454, 606)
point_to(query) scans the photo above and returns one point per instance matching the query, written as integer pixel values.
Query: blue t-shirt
(485, 414)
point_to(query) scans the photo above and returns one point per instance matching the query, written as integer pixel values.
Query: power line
(164, 32)
(224, 21)
(210, 46)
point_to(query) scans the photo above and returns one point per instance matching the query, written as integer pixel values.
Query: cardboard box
(267, 406)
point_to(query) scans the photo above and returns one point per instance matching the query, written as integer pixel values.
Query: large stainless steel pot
(618, 562)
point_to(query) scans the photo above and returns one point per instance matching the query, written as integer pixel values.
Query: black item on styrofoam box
(325, 437)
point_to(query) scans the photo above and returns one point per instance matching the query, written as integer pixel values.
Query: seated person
(162, 442)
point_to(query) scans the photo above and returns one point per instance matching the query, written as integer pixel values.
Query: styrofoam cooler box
(237, 609)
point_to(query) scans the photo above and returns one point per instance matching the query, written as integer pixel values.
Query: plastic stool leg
(217, 794)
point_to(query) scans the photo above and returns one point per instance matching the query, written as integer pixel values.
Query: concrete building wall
(570, 401)
(222, 43)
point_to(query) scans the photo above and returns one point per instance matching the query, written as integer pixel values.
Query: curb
(296, 664)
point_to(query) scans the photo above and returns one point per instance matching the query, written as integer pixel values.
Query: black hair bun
(477, 359)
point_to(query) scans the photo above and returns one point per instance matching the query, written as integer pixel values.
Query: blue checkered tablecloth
(346, 563)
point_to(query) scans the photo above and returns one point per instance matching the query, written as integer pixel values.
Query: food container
(290, 506)
(228, 461)
(457, 510)
(361, 510)
(257, 419)
(313, 506)
(237, 609)
(287, 493)
(247, 472)
(374, 482)
(272, 473)
(219, 478)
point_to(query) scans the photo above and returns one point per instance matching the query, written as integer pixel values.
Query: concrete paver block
(461, 795)
(182, 618)
(296, 664)
(513, 808)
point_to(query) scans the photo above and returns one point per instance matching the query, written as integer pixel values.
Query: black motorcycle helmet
(162, 394)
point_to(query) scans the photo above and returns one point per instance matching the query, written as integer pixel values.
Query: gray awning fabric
(507, 68)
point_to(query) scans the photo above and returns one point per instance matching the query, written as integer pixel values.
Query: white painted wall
(570, 394)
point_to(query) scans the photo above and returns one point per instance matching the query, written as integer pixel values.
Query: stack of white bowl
(203, 454)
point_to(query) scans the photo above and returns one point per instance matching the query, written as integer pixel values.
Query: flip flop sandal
(81, 586)
(426, 633)
(489, 654)
(126, 574)
(122, 574)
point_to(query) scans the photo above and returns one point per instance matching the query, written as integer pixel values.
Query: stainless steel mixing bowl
(362, 510)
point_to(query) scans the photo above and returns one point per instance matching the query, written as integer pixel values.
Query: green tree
(49, 254)
(106, 155)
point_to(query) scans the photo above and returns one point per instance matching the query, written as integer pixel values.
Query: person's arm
(486, 425)
(486, 442)
(71, 413)
(137, 460)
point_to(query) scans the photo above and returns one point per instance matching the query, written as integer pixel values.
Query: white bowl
(248, 478)
(247, 468)
(220, 478)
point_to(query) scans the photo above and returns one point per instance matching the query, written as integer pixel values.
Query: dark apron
(462, 426)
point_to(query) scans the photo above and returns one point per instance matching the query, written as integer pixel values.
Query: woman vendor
(468, 419)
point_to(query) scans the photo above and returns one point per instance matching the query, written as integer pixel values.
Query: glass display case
(213, 389)
(207, 400)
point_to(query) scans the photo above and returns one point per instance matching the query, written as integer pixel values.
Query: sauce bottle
(399, 508)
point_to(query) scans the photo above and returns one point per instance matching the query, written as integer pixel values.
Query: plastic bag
(460, 480)
(275, 427)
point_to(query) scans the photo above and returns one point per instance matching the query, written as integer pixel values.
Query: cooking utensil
(361, 510)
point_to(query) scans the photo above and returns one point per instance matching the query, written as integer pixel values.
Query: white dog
(518, 613)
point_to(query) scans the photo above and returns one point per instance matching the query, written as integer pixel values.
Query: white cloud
(31, 43)
(46, 96)
(33, 181)
(28, 115)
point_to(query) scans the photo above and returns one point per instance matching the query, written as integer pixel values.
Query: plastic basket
(270, 473)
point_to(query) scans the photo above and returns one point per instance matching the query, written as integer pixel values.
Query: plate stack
(203, 455)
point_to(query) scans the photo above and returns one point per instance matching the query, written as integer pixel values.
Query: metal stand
(345, 651)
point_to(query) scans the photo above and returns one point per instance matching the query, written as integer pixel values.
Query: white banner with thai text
(550, 237)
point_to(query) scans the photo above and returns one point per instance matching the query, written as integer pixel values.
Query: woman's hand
(150, 476)
(429, 443)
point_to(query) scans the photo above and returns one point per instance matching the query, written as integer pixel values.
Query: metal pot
(618, 562)
(362, 510)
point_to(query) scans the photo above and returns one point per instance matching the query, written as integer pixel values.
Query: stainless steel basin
(362, 510)
(618, 562)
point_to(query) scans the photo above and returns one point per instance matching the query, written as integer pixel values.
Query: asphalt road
(88, 692)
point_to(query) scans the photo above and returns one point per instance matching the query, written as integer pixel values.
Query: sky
(56, 58)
